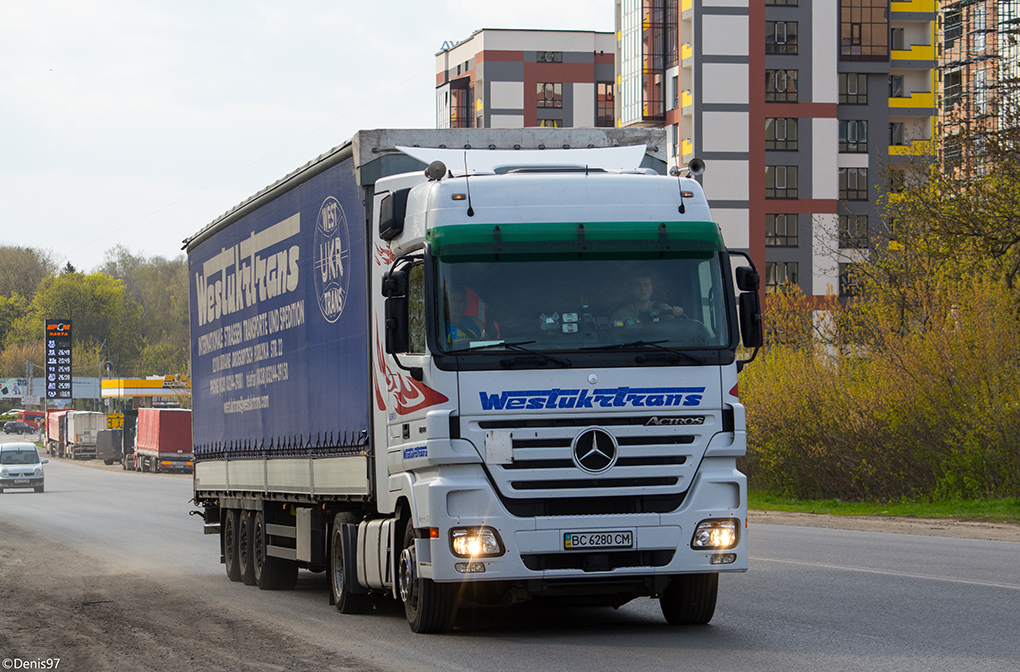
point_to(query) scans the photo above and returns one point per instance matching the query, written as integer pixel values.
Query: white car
(21, 466)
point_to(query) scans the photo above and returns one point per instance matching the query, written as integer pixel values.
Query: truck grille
(533, 461)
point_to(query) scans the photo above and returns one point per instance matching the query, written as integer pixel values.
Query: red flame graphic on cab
(409, 394)
(383, 256)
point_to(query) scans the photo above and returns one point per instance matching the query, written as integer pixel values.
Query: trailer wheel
(346, 602)
(689, 599)
(245, 561)
(428, 606)
(230, 528)
(271, 573)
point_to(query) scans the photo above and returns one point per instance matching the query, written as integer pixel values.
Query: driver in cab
(641, 306)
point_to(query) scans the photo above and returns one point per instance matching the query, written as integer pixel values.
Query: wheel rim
(242, 544)
(338, 565)
(407, 576)
(257, 550)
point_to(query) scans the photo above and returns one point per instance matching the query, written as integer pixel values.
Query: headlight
(38, 470)
(473, 542)
(716, 534)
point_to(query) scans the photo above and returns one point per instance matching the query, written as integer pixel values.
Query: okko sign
(58, 359)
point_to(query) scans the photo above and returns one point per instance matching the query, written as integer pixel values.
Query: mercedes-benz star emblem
(594, 450)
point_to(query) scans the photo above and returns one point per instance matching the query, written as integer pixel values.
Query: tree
(12, 308)
(22, 269)
(99, 308)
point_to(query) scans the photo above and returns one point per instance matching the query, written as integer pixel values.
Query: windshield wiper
(655, 344)
(519, 347)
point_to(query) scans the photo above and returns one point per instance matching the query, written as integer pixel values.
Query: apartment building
(500, 78)
(978, 63)
(799, 109)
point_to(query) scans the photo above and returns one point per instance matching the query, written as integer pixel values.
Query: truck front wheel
(429, 606)
(689, 599)
(346, 602)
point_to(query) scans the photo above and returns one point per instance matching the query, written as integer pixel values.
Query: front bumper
(655, 544)
(21, 481)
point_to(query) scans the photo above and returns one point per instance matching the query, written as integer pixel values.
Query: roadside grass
(983, 510)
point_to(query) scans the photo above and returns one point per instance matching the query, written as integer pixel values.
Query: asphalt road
(814, 599)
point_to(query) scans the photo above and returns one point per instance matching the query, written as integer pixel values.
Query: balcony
(918, 52)
(687, 99)
(916, 100)
(915, 148)
(914, 6)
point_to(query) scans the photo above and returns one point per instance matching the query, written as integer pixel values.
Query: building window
(550, 95)
(778, 274)
(781, 86)
(604, 105)
(780, 37)
(853, 231)
(780, 181)
(853, 88)
(952, 87)
(896, 86)
(853, 136)
(676, 93)
(847, 280)
(548, 56)
(550, 123)
(864, 30)
(674, 131)
(952, 26)
(781, 230)
(898, 40)
(980, 22)
(853, 184)
(781, 134)
(896, 136)
(980, 92)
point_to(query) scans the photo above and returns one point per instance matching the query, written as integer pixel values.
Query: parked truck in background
(56, 435)
(81, 430)
(110, 445)
(163, 440)
(461, 365)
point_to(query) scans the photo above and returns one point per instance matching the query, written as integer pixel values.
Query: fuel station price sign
(58, 359)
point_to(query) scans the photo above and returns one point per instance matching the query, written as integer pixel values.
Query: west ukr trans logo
(332, 256)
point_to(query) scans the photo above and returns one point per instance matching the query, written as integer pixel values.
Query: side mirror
(392, 212)
(394, 283)
(751, 332)
(397, 333)
(748, 279)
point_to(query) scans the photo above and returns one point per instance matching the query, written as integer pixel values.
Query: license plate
(21, 481)
(574, 541)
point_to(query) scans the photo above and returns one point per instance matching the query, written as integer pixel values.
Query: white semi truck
(495, 366)
(82, 429)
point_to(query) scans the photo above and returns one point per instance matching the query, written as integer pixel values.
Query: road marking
(906, 575)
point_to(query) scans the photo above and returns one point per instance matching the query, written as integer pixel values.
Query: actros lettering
(241, 276)
(618, 397)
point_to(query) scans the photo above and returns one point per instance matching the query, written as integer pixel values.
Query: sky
(138, 122)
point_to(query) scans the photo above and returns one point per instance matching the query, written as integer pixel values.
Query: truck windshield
(580, 286)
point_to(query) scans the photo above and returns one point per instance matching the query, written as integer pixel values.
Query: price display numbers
(58, 359)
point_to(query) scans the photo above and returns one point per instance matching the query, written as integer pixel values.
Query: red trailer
(163, 440)
(56, 435)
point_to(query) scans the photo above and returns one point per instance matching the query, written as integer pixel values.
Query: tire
(107, 462)
(346, 602)
(40, 488)
(231, 521)
(270, 573)
(690, 599)
(245, 561)
(428, 606)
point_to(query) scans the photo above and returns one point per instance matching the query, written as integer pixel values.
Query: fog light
(720, 534)
(474, 542)
(470, 567)
(723, 558)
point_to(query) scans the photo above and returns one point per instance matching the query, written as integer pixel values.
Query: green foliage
(102, 313)
(12, 308)
(22, 269)
(1002, 510)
